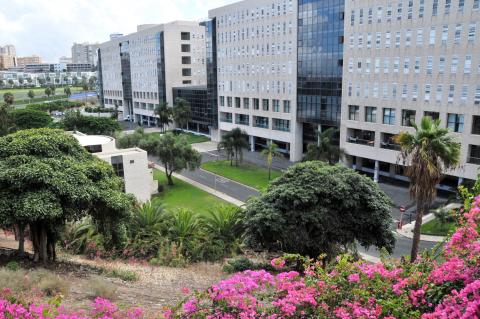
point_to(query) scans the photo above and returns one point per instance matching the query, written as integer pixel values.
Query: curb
(407, 231)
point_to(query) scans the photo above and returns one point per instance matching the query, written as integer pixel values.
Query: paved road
(399, 195)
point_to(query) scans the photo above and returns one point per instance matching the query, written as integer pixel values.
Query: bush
(99, 287)
(12, 266)
(29, 118)
(73, 120)
(125, 275)
(243, 263)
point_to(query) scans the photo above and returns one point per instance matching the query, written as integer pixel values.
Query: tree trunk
(43, 244)
(269, 171)
(169, 176)
(416, 231)
(35, 242)
(21, 239)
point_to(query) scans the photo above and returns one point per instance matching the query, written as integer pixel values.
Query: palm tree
(165, 114)
(52, 89)
(240, 141)
(48, 91)
(31, 94)
(226, 145)
(325, 149)
(67, 91)
(182, 112)
(10, 82)
(429, 151)
(270, 152)
(8, 98)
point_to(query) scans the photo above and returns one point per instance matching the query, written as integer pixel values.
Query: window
(435, 7)
(419, 37)
(474, 154)
(408, 38)
(94, 148)
(371, 114)
(396, 63)
(448, 4)
(226, 117)
(388, 39)
(360, 41)
(454, 66)
(222, 101)
(229, 101)
(186, 60)
(444, 34)
(286, 106)
(260, 121)
(477, 95)
(432, 115)
(408, 117)
(414, 91)
(369, 40)
(377, 65)
(276, 105)
(451, 92)
(378, 40)
(429, 64)
(256, 104)
(185, 35)
(386, 65)
(185, 47)
(431, 40)
(458, 33)
(397, 39)
(461, 5)
(417, 64)
(237, 102)
(399, 11)
(186, 72)
(467, 68)
(472, 30)
(265, 104)
(389, 116)
(464, 95)
(421, 9)
(117, 163)
(476, 125)
(281, 125)
(476, 4)
(438, 96)
(406, 66)
(455, 122)
(404, 91)
(246, 103)
(370, 14)
(366, 90)
(410, 10)
(441, 65)
(427, 92)
(353, 112)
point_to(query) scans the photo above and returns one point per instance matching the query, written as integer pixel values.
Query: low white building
(131, 164)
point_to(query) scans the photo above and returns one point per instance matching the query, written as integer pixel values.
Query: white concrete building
(403, 61)
(256, 46)
(130, 164)
(85, 53)
(138, 71)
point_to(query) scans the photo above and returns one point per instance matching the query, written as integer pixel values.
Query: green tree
(164, 114)
(226, 145)
(28, 118)
(182, 112)
(428, 153)
(2, 83)
(47, 78)
(29, 80)
(233, 143)
(31, 94)
(75, 81)
(74, 121)
(67, 91)
(315, 208)
(7, 125)
(270, 152)
(53, 179)
(174, 152)
(325, 149)
(52, 89)
(8, 98)
(21, 81)
(134, 139)
(92, 82)
(57, 81)
(10, 82)
(42, 81)
(48, 91)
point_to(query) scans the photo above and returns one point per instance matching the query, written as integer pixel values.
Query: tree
(270, 152)
(29, 80)
(28, 118)
(47, 78)
(2, 83)
(8, 98)
(315, 208)
(428, 152)
(165, 114)
(31, 94)
(74, 121)
(42, 81)
(57, 81)
(53, 179)
(7, 125)
(92, 82)
(48, 91)
(325, 149)
(233, 143)
(182, 112)
(52, 89)
(21, 81)
(67, 91)
(10, 82)
(174, 152)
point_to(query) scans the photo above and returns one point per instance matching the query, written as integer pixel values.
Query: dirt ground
(156, 288)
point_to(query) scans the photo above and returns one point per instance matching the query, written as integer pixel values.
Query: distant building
(8, 57)
(58, 67)
(85, 53)
(131, 164)
(65, 60)
(23, 61)
(8, 50)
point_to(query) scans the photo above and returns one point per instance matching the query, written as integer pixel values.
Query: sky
(48, 28)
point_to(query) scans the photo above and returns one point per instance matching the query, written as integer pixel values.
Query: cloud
(49, 27)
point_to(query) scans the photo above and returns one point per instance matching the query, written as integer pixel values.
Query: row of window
(277, 105)
(246, 69)
(396, 12)
(116, 93)
(405, 91)
(145, 95)
(455, 122)
(278, 87)
(257, 121)
(241, 16)
(425, 65)
(391, 39)
(258, 31)
(258, 50)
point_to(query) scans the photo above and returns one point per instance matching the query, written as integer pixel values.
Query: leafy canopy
(317, 208)
(28, 118)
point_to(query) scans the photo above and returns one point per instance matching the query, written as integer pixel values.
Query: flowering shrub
(392, 289)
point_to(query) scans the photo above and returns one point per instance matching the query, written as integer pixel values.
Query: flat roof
(88, 140)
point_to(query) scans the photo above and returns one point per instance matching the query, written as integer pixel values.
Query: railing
(226, 120)
(390, 146)
(357, 140)
(242, 122)
(473, 160)
(283, 129)
(260, 125)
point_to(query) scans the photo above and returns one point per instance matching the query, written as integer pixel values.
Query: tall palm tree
(182, 112)
(67, 91)
(226, 144)
(270, 152)
(428, 153)
(240, 141)
(325, 149)
(165, 114)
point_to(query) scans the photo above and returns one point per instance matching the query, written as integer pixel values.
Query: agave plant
(77, 235)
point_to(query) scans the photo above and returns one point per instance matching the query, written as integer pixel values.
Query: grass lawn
(184, 195)
(191, 138)
(248, 174)
(22, 94)
(434, 227)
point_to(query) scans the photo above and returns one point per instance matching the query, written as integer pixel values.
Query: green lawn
(191, 138)
(248, 174)
(22, 94)
(184, 195)
(434, 227)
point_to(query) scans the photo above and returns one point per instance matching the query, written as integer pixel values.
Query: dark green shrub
(12, 265)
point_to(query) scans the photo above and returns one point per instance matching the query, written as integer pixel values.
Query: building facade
(256, 62)
(23, 61)
(85, 53)
(140, 70)
(405, 60)
(203, 117)
(130, 164)
(8, 57)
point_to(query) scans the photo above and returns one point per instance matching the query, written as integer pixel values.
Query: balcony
(473, 160)
(387, 142)
(474, 154)
(361, 137)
